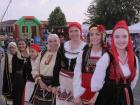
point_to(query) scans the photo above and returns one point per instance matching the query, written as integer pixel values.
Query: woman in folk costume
(85, 66)
(1, 74)
(116, 73)
(65, 63)
(7, 72)
(21, 69)
(43, 73)
(1, 69)
(34, 53)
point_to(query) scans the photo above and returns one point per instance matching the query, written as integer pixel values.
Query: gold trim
(93, 28)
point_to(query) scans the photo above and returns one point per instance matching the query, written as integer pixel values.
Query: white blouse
(78, 90)
(98, 78)
(67, 48)
(35, 66)
(39, 66)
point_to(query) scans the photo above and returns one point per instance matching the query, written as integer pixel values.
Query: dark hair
(91, 26)
(88, 39)
(21, 40)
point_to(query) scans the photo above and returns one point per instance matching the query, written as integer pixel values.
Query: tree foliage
(108, 12)
(56, 18)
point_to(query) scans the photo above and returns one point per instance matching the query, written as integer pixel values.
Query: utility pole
(5, 11)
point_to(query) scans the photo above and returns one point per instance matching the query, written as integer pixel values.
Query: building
(27, 26)
(7, 27)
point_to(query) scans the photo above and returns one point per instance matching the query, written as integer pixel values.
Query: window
(24, 29)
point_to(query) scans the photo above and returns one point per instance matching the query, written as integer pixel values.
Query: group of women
(74, 72)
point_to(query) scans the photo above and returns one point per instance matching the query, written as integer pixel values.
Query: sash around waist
(113, 83)
(66, 73)
(47, 79)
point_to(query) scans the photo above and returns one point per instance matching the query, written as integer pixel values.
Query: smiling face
(12, 49)
(21, 46)
(74, 33)
(53, 43)
(121, 38)
(33, 53)
(95, 37)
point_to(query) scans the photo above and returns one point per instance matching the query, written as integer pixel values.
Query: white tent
(85, 29)
(135, 28)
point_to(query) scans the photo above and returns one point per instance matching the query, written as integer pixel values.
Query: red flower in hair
(101, 28)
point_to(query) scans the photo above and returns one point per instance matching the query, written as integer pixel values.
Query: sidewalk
(137, 92)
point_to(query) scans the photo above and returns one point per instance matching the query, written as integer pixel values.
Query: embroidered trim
(49, 58)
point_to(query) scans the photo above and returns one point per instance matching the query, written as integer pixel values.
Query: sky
(74, 10)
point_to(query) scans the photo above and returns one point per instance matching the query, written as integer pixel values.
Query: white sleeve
(98, 77)
(78, 90)
(35, 67)
(134, 82)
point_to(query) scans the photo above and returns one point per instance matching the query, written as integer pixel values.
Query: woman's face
(12, 50)
(33, 53)
(21, 46)
(121, 38)
(74, 33)
(53, 43)
(95, 37)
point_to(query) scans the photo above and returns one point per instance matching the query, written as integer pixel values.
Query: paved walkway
(137, 92)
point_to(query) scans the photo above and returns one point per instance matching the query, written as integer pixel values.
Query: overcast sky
(74, 10)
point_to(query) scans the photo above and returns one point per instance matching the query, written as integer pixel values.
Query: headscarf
(78, 25)
(35, 47)
(122, 24)
(12, 44)
(53, 36)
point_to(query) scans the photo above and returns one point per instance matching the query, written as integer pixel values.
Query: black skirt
(115, 94)
(43, 97)
(18, 87)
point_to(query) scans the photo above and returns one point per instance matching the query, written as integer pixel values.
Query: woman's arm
(35, 68)
(98, 77)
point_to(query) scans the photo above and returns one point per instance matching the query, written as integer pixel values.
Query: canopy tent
(135, 28)
(85, 29)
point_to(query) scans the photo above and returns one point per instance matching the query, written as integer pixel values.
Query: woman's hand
(55, 90)
(93, 100)
(88, 103)
(49, 88)
(77, 101)
(42, 84)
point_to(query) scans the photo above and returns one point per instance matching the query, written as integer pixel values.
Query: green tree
(56, 18)
(108, 12)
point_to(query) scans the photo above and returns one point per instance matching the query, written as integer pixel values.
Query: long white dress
(66, 80)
